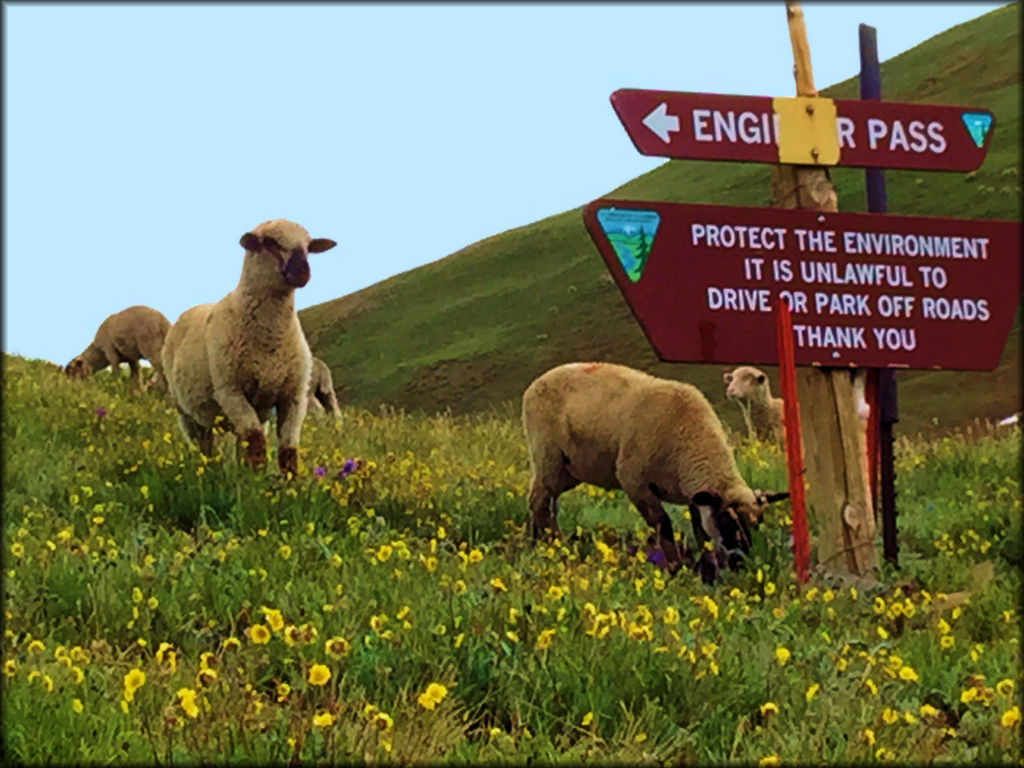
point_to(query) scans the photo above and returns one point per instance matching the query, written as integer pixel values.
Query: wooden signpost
(863, 289)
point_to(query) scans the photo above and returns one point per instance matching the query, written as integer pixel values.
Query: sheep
(762, 413)
(321, 390)
(657, 440)
(124, 337)
(245, 355)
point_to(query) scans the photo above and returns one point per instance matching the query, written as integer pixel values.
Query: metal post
(888, 412)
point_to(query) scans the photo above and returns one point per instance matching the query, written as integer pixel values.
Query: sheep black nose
(296, 271)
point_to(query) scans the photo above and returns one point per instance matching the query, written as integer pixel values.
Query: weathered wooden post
(834, 438)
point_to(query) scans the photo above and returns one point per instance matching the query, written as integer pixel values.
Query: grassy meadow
(387, 604)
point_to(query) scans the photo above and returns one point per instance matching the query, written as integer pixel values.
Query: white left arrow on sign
(661, 122)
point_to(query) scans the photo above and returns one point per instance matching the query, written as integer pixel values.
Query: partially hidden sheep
(657, 440)
(246, 355)
(762, 413)
(125, 337)
(321, 390)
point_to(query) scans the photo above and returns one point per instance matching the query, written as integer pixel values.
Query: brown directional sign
(867, 290)
(882, 134)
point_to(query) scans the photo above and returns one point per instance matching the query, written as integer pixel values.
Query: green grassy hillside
(470, 331)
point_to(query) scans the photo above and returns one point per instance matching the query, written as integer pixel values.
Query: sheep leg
(198, 434)
(656, 517)
(705, 531)
(113, 359)
(544, 511)
(134, 373)
(246, 425)
(290, 414)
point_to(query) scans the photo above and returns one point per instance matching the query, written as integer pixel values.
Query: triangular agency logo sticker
(630, 232)
(977, 125)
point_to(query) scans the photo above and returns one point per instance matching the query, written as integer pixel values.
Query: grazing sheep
(125, 337)
(657, 440)
(321, 390)
(246, 355)
(762, 413)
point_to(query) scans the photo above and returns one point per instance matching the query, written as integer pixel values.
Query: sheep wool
(762, 413)
(321, 390)
(125, 337)
(246, 355)
(615, 427)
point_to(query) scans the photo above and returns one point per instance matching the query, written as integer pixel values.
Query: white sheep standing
(657, 440)
(125, 337)
(762, 413)
(246, 354)
(321, 390)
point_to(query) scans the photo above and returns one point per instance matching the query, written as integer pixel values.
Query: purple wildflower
(320, 471)
(350, 466)
(656, 556)
(101, 412)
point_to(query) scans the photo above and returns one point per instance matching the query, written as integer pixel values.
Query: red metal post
(794, 454)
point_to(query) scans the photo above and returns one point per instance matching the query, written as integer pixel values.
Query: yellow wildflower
(9, 667)
(323, 719)
(890, 716)
(1005, 687)
(259, 634)
(338, 647)
(475, 556)
(946, 642)
(459, 587)
(432, 696)
(231, 643)
(282, 690)
(136, 595)
(1010, 717)
(187, 700)
(587, 719)
(383, 552)
(36, 646)
(134, 680)
(769, 760)
(769, 708)
(544, 639)
(812, 689)
(555, 592)
(319, 674)
(498, 585)
(908, 673)
(869, 736)
(76, 705)
(782, 655)
(274, 618)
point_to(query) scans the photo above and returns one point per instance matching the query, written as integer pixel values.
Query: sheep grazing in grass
(125, 337)
(657, 440)
(246, 355)
(762, 413)
(321, 390)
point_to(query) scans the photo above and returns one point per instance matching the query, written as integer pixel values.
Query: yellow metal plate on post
(806, 133)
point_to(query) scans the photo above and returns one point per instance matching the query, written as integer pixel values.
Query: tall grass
(387, 604)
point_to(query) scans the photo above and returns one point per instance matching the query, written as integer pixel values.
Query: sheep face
(278, 249)
(78, 368)
(749, 506)
(744, 382)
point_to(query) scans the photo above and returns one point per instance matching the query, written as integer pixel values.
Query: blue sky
(142, 141)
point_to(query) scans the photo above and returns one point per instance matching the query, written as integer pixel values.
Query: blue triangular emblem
(630, 231)
(977, 125)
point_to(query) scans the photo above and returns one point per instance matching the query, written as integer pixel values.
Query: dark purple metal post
(871, 88)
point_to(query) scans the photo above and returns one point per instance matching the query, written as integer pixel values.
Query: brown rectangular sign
(882, 134)
(867, 290)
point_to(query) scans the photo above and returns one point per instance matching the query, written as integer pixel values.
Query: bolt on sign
(863, 289)
(808, 131)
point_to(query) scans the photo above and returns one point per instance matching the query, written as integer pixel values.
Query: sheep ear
(251, 242)
(320, 244)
